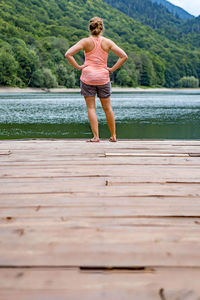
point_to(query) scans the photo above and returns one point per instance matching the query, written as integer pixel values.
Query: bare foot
(94, 140)
(112, 139)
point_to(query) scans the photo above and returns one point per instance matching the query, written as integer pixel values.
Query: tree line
(34, 36)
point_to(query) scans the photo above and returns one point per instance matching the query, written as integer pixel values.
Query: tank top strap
(97, 42)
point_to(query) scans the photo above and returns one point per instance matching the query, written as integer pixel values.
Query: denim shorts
(102, 91)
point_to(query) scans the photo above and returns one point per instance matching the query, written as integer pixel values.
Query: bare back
(89, 44)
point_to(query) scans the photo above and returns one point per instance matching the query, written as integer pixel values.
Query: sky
(191, 6)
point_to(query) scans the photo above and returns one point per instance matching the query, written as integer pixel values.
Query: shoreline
(4, 90)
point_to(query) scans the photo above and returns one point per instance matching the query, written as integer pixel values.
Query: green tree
(65, 76)
(147, 72)
(27, 60)
(8, 69)
(50, 80)
(159, 68)
(123, 78)
(37, 79)
(171, 75)
(131, 71)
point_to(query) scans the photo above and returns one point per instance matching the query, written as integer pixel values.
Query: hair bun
(96, 26)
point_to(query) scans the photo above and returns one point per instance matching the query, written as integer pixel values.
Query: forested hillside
(34, 35)
(192, 26)
(151, 14)
(156, 14)
(177, 11)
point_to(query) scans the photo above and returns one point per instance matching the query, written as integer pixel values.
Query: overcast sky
(192, 6)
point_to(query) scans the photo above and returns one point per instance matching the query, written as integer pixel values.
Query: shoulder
(84, 41)
(107, 41)
(107, 44)
(87, 44)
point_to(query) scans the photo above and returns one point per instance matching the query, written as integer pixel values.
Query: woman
(95, 77)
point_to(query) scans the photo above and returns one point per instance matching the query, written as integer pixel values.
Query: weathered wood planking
(145, 154)
(102, 190)
(124, 246)
(63, 203)
(133, 208)
(97, 222)
(61, 166)
(163, 206)
(74, 284)
(100, 170)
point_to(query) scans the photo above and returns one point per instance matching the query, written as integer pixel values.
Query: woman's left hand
(109, 70)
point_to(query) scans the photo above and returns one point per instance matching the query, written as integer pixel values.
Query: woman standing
(95, 77)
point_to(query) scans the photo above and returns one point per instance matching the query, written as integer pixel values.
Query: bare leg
(105, 102)
(90, 102)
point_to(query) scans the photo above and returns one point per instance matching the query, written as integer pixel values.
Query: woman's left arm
(122, 56)
(72, 51)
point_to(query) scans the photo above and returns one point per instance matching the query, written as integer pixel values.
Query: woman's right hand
(80, 68)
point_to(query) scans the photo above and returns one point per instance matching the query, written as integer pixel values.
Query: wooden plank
(59, 199)
(104, 221)
(101, 190)
(99, 180)
(19, 206)
(32, 161)
(132, 180)
(134, 209)
(146, 154)
(5, 166)
(63, 246)
(162, 171)
(65, 151)
(55, 180)
(156, 284)
(67, 146)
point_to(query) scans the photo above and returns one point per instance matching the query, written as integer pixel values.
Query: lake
(139, 115)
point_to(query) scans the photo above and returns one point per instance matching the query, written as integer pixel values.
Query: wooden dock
(91, 221)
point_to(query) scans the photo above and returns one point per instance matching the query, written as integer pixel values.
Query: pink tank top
(96, 60)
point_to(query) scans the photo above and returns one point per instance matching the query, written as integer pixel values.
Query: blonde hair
(96, 26)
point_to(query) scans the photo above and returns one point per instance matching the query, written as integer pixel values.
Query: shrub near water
(188, 82)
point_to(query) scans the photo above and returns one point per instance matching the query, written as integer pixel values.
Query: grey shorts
(102, 91)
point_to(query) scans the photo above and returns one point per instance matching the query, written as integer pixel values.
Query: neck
(97, 36)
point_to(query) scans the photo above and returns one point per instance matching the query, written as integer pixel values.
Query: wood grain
(99, 221)
(62, 284)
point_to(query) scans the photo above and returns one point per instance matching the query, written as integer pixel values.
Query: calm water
(151, 115)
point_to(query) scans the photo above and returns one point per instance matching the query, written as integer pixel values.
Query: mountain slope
(152, 14)
(146, 11)
(34, 35)
(192, 26)
(176, 10)
(163, 21)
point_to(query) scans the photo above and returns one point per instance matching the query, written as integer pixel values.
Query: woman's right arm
(122, 56)
(72, 51)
